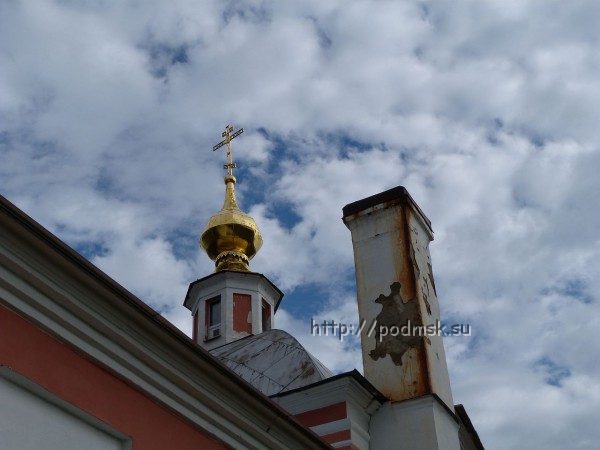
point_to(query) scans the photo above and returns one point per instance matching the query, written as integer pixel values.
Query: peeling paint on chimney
(400, 313)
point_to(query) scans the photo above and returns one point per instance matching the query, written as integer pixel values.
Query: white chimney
(403, 356)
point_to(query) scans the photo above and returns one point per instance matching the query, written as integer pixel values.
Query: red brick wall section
(323, 415)
(327, 414)
(78, 380)
(242, 307)
(337, 437)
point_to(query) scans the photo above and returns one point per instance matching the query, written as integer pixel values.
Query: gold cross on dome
(227, 141)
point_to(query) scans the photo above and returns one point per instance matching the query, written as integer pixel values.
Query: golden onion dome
(231, 238)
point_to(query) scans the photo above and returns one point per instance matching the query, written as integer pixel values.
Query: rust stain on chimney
(403, 260)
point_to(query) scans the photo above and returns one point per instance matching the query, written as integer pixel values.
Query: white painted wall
(418, 424)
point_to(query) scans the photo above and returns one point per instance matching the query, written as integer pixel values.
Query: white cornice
(328, 392)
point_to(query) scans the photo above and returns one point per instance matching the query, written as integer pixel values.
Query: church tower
(232, 302)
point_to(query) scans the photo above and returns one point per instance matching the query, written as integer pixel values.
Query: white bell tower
(229, 305)
(232, 302)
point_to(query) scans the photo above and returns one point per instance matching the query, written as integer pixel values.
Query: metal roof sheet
(273, 362)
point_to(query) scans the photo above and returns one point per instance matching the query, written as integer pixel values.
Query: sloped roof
(273, 362)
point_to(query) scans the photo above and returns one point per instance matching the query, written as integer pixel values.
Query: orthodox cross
(227, 141)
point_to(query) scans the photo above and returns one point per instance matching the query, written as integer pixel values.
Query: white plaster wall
(418, 424)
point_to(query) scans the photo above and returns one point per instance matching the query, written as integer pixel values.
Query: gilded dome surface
(231, 238)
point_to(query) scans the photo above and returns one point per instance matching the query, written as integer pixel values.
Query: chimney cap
(391, 197)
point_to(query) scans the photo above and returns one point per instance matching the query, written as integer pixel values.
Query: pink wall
(78, 380)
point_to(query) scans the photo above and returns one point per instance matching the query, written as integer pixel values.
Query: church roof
(273, 362)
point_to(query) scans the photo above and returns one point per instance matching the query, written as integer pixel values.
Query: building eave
(353, 374)
(465, 420)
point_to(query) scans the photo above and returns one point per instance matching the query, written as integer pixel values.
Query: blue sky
(485, 110)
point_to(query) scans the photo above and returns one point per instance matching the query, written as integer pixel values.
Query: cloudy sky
(487, 111)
